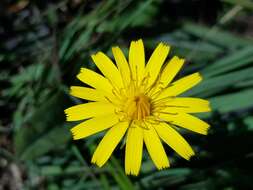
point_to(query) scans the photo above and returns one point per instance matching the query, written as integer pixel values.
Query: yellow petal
(108, 69)
(155, 148)
(122, 65)
(170, 71)
(137, 60)
(88, 110)
(93, 126)
(180, 86)
(95, 80)
(186, 105)
(155, 63)
(86, 93)
(134, 145)
(109, 143)
(174, 140)
(186, 121)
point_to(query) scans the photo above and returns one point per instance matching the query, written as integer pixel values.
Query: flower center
(138, 107)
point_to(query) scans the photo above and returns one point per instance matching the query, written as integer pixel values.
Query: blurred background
(43, 44)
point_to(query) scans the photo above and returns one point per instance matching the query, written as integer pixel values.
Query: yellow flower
(140, 101)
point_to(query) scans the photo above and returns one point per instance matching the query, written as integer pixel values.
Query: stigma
(138, 107)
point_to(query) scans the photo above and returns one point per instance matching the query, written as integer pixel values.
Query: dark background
(43, 44)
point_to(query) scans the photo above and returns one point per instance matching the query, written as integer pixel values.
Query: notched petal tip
(68, 118)
(205, 132)
(72, 89)
(199, 75)
(66, 111)
(132, 173)
(189, 154)
(74, 137)
(165, 45)
(115, 48)
(175, 58)
(209, 106)
(95, 55)
(95, 161)
(182, 60)
(138, 41)
(74, 133)
(163, 166)
(81, 73)
(82, 70)
(67, 115)
(177, 61)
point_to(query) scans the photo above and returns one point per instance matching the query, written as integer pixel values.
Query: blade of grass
(232, 61)
(244, 3)
(216, 36)
(232, 102)
(221, 82)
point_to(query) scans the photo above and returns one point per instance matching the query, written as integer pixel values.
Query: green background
(43, 44)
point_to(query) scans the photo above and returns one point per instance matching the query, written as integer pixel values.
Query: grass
(47, 51)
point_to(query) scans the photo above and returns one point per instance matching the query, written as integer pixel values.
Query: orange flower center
(138, 107)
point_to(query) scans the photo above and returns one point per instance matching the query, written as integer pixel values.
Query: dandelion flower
(137, 101)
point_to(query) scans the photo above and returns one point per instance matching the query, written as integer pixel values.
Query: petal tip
(96, 162)
(200, 76)
(115, 48)
(164, 166)
(206, 131)
(189, 155)
(82, 70)
(75, 137)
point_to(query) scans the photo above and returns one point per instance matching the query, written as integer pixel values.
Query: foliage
(53, 40)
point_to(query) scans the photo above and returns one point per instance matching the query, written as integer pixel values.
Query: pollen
(138, 107)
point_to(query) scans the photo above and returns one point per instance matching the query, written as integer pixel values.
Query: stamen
(116, 93)
(145, 126)
(144, 82)
(112, 102)
(138, 107)
(161, 89)
(154, 86)
(108, 100)
(169, 113)
(163, 100)
(154, 120)
(162, 107)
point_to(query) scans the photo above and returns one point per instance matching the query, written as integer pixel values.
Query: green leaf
(44, 130)
(119, 175)
(145, 11)
(232, 102)
(216, 36)
(55, 138)
(217, 84)
(249, 122)
(233, 61)
(244, 3)
(171, 176)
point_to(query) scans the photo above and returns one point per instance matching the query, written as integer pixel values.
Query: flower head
(138, 101)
